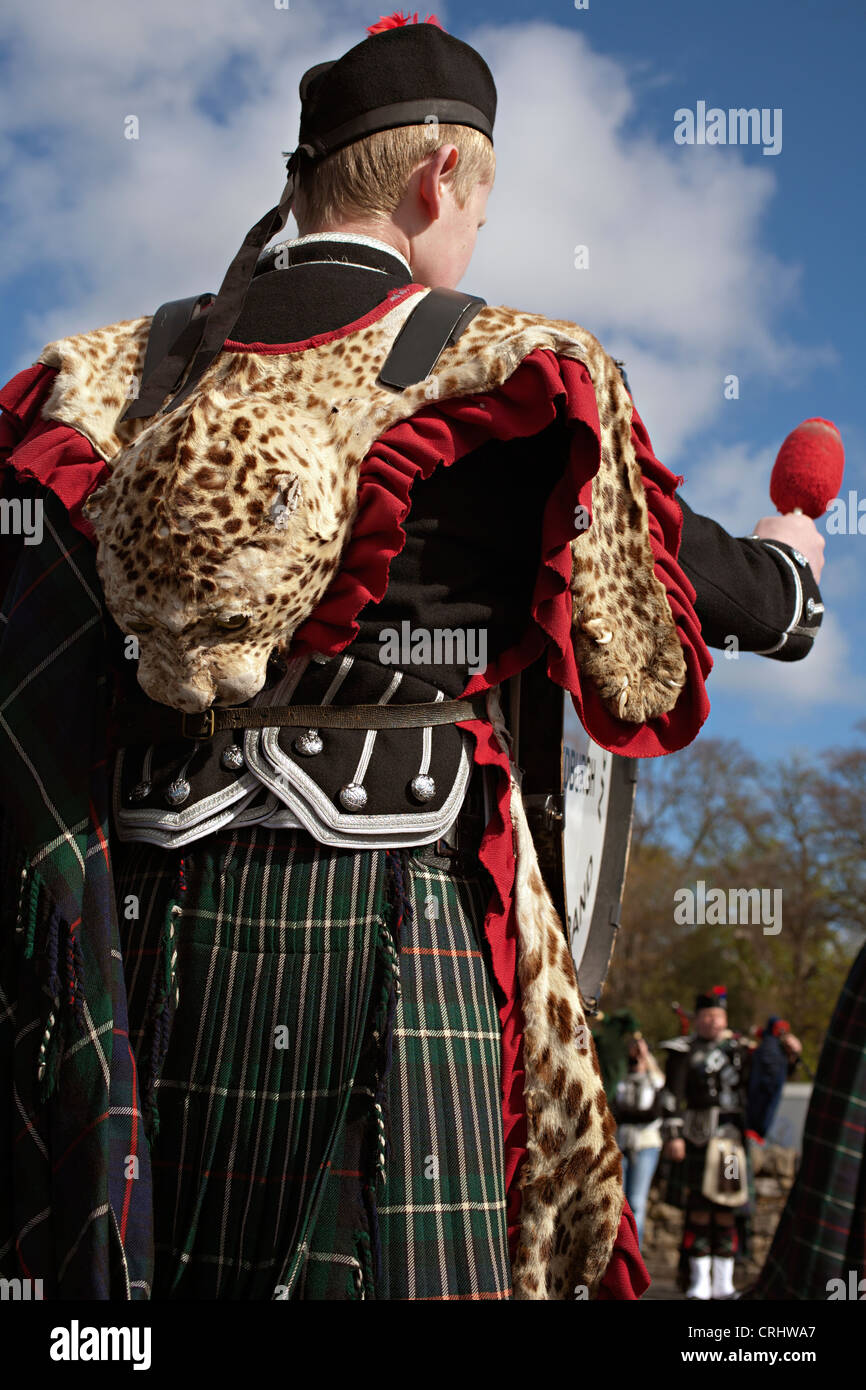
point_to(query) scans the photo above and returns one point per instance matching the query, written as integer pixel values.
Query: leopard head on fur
(217, 535)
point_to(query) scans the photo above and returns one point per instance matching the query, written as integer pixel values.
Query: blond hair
(370, 177)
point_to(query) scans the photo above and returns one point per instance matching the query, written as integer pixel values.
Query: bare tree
(794, 831)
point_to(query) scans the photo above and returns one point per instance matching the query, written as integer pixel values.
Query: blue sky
(704, 261)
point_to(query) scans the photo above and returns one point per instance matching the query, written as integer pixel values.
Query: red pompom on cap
(807, 474)
(394, 21)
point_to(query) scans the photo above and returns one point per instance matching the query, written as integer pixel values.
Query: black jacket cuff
(762, 593)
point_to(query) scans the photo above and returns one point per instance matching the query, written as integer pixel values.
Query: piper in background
(711, 1179)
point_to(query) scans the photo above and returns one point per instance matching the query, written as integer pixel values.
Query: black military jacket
(469, 563)
(761, 592)
(702, 1075)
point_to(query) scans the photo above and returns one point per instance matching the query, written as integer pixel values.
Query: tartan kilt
(319, 1032)
(821, 1233)
(685, 1180)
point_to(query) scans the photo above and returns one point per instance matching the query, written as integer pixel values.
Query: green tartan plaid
(73, 1213)
(362, 1160)
(821, 1233)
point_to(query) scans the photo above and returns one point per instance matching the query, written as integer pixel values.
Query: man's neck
(379, 233)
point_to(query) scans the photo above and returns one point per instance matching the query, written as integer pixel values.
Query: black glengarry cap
(402, 74)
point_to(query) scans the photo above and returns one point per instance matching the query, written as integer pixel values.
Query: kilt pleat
(442, 1209)
(329, 1121)
(446, 1200)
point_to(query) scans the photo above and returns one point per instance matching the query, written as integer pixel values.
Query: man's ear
(436, 168)
(450, 156)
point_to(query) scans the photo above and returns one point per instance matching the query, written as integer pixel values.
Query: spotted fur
(237, 505)
(571, 1180)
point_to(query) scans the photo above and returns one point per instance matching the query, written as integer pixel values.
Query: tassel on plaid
(163, 1001)
(400, 916)
(51, 943)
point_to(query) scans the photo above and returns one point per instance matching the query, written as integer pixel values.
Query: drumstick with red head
(807, 474)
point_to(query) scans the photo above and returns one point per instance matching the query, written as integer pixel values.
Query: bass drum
(580, 805)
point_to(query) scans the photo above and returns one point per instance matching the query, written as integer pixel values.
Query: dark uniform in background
(704, 1102)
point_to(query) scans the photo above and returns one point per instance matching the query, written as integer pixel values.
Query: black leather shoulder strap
(169, 322)
(436, 321)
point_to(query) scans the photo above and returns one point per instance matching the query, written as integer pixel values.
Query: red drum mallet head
(807, 474)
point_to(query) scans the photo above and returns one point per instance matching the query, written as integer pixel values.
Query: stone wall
(775, 1169)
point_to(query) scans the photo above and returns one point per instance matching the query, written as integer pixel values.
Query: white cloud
(842, 576)
(779, 691)
(679, 281)
(731, 483)
(120, 224)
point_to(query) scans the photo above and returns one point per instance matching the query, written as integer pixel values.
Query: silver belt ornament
(699, 1126)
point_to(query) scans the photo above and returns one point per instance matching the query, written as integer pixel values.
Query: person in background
(637, 1110)
(711, 1180)
(612, 1034)
(773, 1062)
